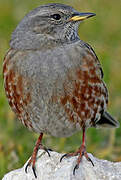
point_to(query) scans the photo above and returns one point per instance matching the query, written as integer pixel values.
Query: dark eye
(56, 16)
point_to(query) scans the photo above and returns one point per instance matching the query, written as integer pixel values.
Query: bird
(54, 80)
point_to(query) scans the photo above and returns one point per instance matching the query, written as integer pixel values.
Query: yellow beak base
(81, 16)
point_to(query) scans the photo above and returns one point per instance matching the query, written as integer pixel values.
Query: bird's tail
(107, 121)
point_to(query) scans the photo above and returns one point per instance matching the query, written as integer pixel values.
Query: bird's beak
(81, 16)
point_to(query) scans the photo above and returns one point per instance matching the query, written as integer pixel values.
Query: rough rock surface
(50, 168)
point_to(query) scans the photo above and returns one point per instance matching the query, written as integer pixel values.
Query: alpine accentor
(53, 80)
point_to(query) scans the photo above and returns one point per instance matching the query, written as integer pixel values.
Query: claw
(47, 151)
(27, 167)
(65, 155)
(89, 159)
(69, 155)
(76, 167)
(50, 149)
(34, 171)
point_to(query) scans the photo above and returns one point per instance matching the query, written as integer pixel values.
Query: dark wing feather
(108, 121)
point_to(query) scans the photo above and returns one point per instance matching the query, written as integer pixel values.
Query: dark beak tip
(91, 14)
(94, 14)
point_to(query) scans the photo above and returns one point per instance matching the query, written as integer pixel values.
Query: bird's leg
(80, 152)
(34, 154)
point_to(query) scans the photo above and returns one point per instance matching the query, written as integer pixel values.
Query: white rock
(50, 168)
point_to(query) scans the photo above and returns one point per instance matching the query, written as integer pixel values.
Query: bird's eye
(56, 16)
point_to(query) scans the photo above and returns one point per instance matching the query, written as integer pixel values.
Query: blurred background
(103, 33)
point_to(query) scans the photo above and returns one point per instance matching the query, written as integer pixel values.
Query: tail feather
(108, 121)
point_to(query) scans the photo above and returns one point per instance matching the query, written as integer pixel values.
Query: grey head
(48, 25)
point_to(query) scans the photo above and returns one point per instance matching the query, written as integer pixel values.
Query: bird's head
(51, 23)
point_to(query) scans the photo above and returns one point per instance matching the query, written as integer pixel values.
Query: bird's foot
(81, 152)
(32, 160)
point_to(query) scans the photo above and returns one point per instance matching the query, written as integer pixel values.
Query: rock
(50, 168)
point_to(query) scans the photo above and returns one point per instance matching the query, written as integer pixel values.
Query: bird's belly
(51, 123)
(52, 120)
